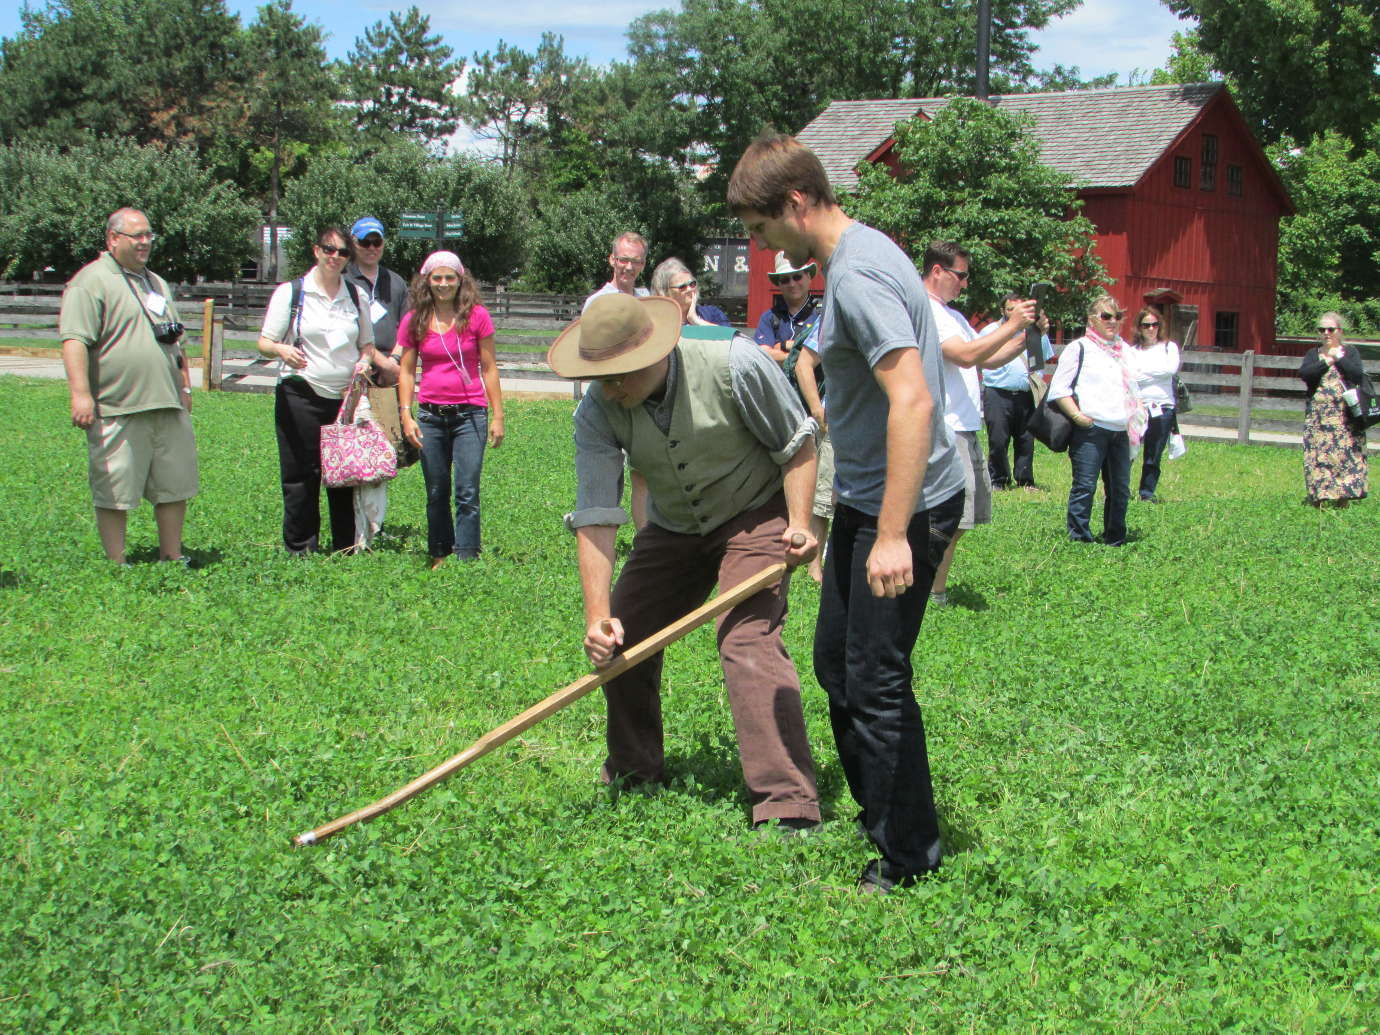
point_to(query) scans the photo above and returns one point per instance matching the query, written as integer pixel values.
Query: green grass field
(1158, 767)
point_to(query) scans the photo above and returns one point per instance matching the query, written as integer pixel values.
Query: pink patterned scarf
(1136, 418)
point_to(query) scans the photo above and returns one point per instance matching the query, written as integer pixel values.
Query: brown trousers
(668, 575)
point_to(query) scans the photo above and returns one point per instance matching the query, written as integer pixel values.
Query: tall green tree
(153, 72)
(519, 99)
(974, 175)
(1329, 252)
(1298, 67)
(1187, 63)
(290, 95)
(54, 204)
(735, 66)
(399, 79)
(337, 189)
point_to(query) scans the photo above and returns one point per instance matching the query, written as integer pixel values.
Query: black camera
(167, 332)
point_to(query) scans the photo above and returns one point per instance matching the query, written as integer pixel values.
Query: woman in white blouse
(1154, 361)
(322, 343)
(1096, 389)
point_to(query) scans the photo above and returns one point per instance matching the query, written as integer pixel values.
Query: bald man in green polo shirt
(129, 386)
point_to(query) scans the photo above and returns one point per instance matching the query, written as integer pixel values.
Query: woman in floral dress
(1334, 446)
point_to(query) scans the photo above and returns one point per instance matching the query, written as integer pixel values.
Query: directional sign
(454, 224)
(417, 224)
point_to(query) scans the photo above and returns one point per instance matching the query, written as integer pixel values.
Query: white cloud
(1105, 36)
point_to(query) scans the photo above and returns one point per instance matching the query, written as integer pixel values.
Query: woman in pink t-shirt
(459, 402)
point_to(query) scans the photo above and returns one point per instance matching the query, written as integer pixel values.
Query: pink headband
(447, 259)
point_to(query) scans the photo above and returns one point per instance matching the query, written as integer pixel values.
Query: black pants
(863, 647)
(1152, 450)
(298, 416)
(1007, 412)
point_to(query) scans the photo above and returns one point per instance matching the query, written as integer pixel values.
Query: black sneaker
(876, 881)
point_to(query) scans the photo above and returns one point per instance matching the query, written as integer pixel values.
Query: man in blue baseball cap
(385, 293)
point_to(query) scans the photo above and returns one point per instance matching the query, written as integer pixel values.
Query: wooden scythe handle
(568, 695)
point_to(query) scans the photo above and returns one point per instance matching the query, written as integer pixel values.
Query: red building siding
(1214, 248)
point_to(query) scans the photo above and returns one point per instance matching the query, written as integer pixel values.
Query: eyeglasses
(960, 274)
(787, 278)
(630, 260)
(1329, 330)
(1111, 316)
(330, 249)
(688, 285)
(370, 242)
(147, 237)
(1149, 323)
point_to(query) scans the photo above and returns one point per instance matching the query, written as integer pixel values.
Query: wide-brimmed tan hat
(617, 334)
(784, 267)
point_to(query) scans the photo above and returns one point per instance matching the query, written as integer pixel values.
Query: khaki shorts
(977, 481)
(824, 479)
(149, 455)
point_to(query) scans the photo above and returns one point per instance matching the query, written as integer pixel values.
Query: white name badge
(156, 303)
(377, 311)
(336, 338)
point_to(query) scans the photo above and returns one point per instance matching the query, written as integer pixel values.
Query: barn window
(1224, 331)
(1235, 181)
(1183, 171)
(1208, 172)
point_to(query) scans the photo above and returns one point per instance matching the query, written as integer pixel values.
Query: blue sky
(1100, 37)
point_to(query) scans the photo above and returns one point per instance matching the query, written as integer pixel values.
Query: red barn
(1186, 205)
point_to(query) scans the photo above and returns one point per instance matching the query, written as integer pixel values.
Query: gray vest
(711, 467)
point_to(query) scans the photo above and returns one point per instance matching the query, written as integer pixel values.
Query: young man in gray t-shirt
(900, 491)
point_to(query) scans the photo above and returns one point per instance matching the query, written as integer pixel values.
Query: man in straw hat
(900, 492)
(729, 455)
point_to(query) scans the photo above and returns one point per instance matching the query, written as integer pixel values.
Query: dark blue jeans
(1152, 450)
(1094, 451)
(862, 660)
(453, 442)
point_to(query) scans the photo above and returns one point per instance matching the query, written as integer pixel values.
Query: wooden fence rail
(1241, 383)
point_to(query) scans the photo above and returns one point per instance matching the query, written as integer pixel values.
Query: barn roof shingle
(1101, 138)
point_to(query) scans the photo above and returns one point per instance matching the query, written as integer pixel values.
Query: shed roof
(1101, 138)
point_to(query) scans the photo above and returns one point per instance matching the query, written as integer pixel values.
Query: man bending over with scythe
(729, 457)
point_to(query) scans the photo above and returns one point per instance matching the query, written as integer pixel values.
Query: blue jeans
(1152, 450)
(453, 441)
(1094, 451)
(863, 650)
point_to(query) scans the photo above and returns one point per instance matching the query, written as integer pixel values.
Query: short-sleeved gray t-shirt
(874, 302)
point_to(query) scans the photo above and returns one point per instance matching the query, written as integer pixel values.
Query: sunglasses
(330, 249)
(1329, 330)
(370, 242)
(787, 278)
(1149, 323)
(1111, 316)
(688, 285)
(962, 275)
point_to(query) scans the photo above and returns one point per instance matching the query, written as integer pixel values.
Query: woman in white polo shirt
(1096, 388)
(322, 343)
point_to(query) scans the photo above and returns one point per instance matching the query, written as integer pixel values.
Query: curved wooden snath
(510, 729)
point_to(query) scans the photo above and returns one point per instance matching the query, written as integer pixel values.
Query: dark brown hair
(773, 166)
(943, 253)
(1138, 338)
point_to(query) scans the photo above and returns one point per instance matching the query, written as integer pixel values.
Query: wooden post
(214, 367)
(1243, 413)
(208, 334)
